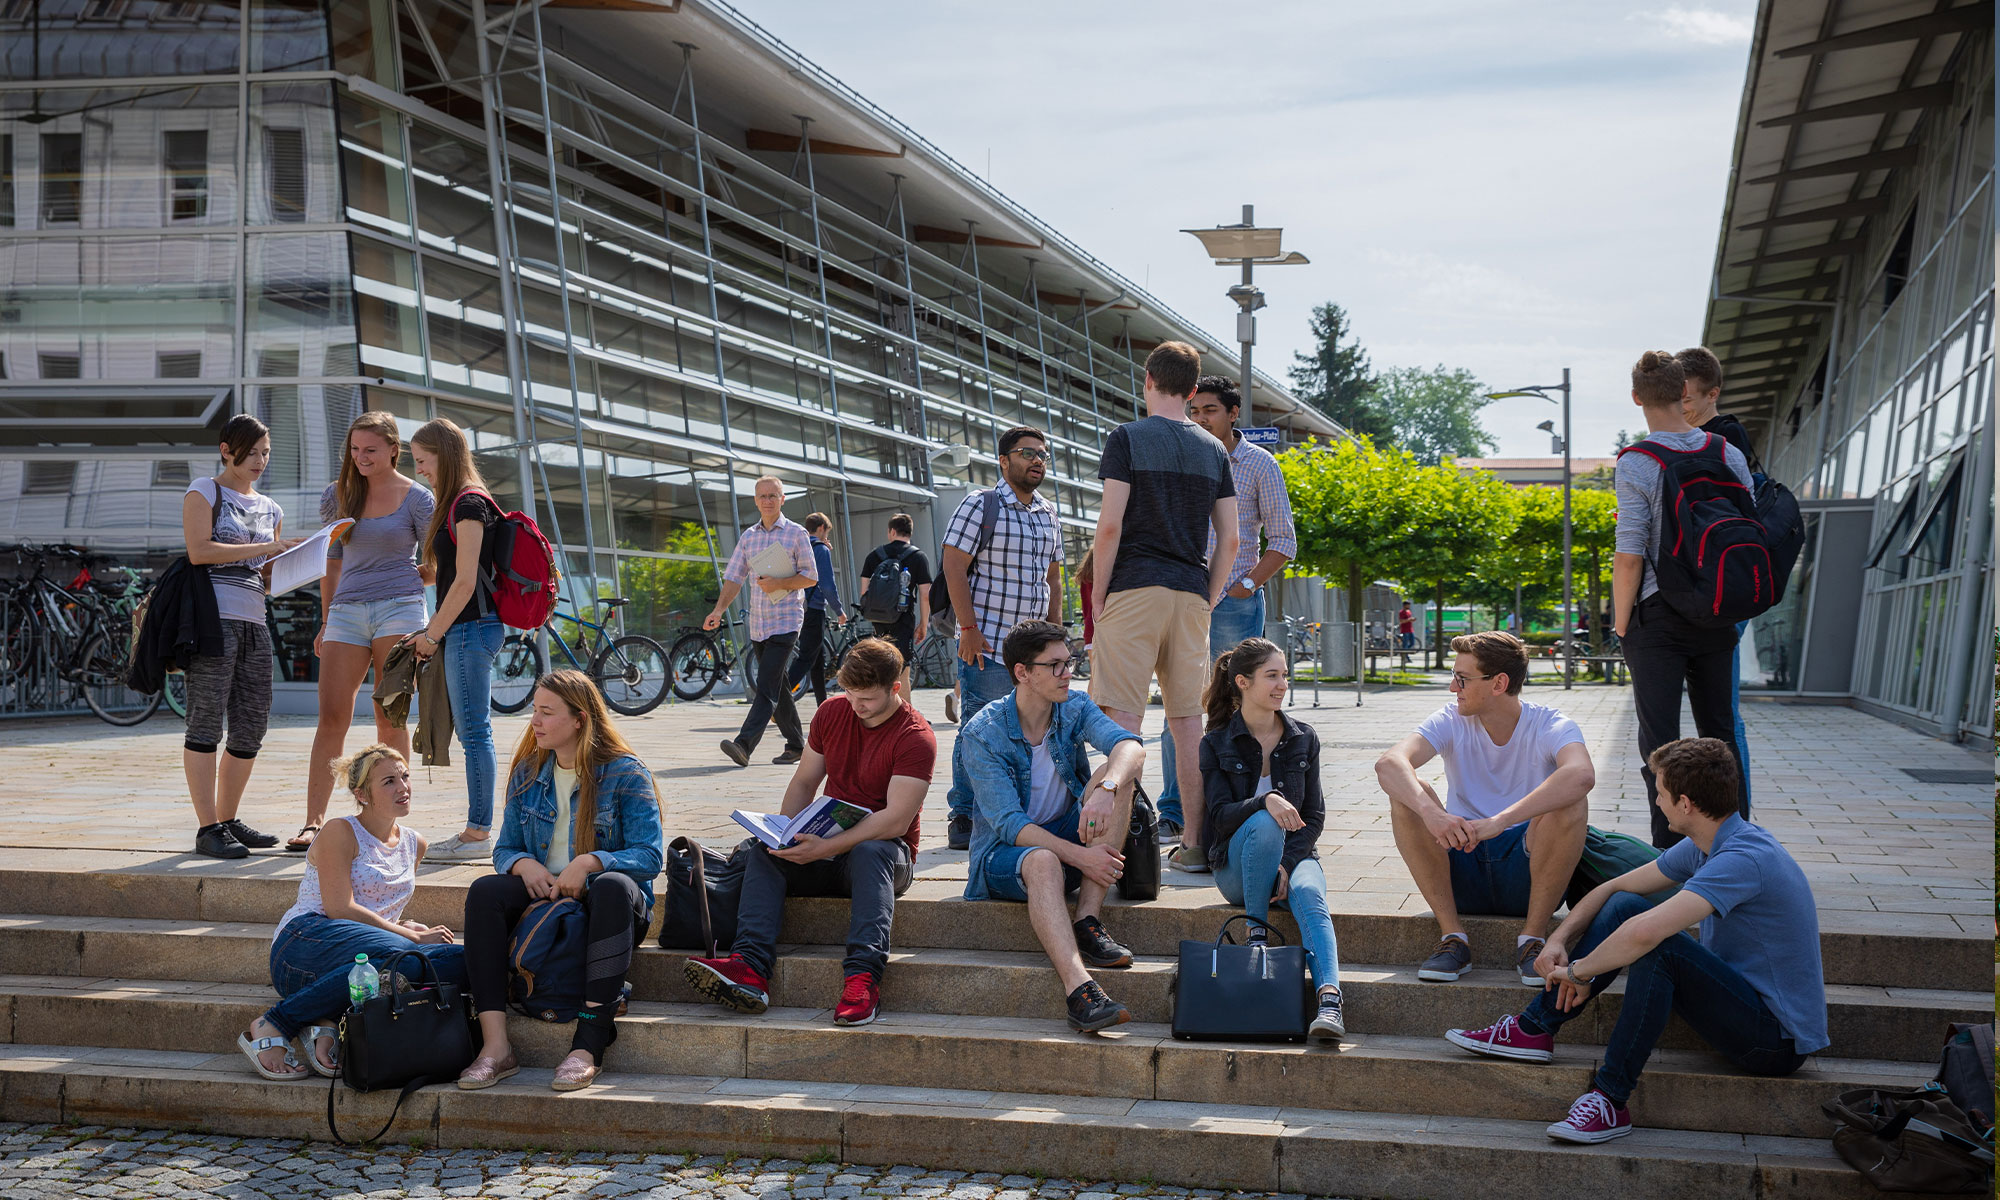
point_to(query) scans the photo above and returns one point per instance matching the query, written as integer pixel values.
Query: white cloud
(1704, 26)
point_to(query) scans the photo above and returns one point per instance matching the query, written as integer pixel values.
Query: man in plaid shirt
(777, 612)
(1018, 577)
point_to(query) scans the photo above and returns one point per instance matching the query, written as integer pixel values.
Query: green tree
(1597, 479)
(1354, 506)
(1434, 413)
(1335, 377)
(1462, 519)
(668, 592)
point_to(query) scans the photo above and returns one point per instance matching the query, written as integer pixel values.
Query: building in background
(659, 255)
(1531, 472)
(1852, 308)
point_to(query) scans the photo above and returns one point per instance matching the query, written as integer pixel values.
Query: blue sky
(1510, 188)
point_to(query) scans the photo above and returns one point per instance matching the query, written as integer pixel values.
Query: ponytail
(1222, 699)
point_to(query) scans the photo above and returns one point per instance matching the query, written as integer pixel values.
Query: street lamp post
(1247, 246)
(1569, 615)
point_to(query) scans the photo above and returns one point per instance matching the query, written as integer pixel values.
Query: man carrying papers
(872, 750)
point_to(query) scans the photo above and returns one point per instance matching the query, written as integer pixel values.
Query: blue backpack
(545, 963)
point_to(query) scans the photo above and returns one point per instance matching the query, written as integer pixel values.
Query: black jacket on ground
(181, 621)
(1231, 760)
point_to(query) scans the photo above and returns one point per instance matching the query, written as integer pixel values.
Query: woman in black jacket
(1260, 779)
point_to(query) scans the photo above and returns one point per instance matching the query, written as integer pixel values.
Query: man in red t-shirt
(870, 748)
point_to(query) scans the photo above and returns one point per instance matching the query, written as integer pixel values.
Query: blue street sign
(1266, 436)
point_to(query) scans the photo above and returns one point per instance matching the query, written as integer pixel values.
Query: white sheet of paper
(306, 561)
(773, 562)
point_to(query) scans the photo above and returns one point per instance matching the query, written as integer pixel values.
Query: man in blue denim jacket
(1041, 829)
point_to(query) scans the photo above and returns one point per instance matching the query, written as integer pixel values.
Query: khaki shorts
(1146, 632)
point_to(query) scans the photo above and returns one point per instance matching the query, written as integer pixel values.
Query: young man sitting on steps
(1518, 777)
(1751, 986)
(1044, 826)
(871, 748)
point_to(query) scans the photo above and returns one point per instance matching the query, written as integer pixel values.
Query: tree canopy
(1335, 377)
(1434, 413)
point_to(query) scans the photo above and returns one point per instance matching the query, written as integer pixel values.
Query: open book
(823, 818)
(306, 561)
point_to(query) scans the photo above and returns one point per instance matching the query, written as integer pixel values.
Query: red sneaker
(859, 997)
(1505, 1039)
(729, 981)
(1593, 1118)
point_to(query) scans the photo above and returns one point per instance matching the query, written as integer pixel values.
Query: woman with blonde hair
(372, 595)
(582, 821)
(360, 873)
(458, 548)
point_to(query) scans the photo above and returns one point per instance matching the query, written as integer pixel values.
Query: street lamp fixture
(1561, 443)
(1247, 246)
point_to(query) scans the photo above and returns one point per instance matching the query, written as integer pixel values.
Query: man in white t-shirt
(1507, 841)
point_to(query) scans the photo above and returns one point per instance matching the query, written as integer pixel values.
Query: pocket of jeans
(293, 980)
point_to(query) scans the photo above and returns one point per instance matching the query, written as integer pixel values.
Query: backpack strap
(989, 518)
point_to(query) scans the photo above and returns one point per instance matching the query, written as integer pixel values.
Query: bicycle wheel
(175, 692)
(101, 678)
(1079, 659)
(516, 666)
(694, 665)
(933, 666)
(633, 674)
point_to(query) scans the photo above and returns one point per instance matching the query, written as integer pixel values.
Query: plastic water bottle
(363, 981)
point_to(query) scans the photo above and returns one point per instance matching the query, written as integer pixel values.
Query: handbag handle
(699, 858)
(426, 974)
(1222, 934)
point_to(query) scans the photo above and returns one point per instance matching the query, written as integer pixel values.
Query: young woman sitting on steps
(360, 873)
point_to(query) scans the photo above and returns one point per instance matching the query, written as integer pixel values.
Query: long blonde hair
(597, 743)
(455, 472)
(350, 491)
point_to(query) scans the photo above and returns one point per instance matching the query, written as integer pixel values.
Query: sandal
(309, 1042)
(302, 840)
(251, 1049)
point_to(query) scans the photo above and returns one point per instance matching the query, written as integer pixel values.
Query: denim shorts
(1491, 879)
(1003, 866)
(360, 622)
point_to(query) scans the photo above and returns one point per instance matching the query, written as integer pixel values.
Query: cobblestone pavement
(51, 1161)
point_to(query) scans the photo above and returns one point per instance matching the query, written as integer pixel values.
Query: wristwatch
(1247, 584)
(1570, 970)
(1108, 786)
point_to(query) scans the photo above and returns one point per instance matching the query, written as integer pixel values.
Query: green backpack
(1606, 856)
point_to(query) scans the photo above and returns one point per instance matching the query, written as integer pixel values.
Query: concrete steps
(1263, 1147)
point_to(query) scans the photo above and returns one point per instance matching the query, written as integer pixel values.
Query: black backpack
(989, 516)
(885, 594)
(1718, 563)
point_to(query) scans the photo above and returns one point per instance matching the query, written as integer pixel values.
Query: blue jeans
(1679, 975)
(1255, 854)
(1231, 622)
(978, 686)
(468, 676)
(1736, 709)
(311, 958)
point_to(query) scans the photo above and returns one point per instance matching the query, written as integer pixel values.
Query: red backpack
(520, 587)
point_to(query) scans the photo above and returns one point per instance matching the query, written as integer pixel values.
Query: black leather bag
(703, 887)
(406, 1037)
(1141, 877)
(1227, 992)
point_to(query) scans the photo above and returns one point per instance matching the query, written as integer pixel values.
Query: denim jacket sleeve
(512, 844)
(1303, 843)
(993, 786)
(627, 789)
(1225, 813)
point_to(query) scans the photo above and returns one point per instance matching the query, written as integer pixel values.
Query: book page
(306, 561)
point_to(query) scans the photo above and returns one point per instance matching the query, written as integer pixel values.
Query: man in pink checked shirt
(777, 611)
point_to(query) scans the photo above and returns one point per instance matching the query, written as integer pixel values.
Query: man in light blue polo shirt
(1751, 987)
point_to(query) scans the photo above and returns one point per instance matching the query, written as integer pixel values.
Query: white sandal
(251, 1049)
(309, 1042)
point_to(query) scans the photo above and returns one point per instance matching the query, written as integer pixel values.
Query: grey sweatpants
(235, 684)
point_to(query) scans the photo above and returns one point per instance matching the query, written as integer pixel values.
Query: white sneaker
(457, 849)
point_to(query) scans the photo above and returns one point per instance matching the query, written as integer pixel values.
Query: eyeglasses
(1034, 456)
(1459, 682)
(1058, 668)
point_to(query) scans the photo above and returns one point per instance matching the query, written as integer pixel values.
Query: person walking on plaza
(777, 612)
(458, 550)
(1262, 506)
(1406, 628)
(822, 605)
(583, 822)
(360, 874)
(1667, 653)
(1002, 566)
(1751, 986)
(232, 530)
(1518, 779)
(872, 749)
(371, 598)
(1701, 395)
(1260, 779)
(1046, 825)
(911, 601)
(1167, 484)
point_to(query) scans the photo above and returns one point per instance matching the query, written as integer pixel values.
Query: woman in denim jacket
(1260, 779)
(582, 821)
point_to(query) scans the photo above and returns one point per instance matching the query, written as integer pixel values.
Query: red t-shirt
(860, 761)
(1406, 622)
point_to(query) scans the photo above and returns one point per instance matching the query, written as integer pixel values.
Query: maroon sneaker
(1593, 1118)
(1505, 1039)
(730, 982)
(859, 998)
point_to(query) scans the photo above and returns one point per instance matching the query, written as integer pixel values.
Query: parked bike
(632, 670)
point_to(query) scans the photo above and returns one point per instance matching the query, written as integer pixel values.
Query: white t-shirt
(241, 520)
(559, 840)
(1481, 778)
(1048, 795)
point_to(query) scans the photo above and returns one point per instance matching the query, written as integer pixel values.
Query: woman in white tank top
(360, 873)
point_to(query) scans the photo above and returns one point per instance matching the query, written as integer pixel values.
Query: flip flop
(302, 840)
(309, 1042)
(252, 1049)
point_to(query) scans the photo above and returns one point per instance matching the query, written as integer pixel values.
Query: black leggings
(617, 916)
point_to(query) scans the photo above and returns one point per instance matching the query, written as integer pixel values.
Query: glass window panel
(61, 172)
(123, 159)
(1945, 427)
(363, 36)
(462, 312)
(290, 35)
(117, 303)
(184, 158)
(6, 180)
(385, 285)
(373, 154)
(454, 195)
(294, 176)
(88, 39)
(301, 298)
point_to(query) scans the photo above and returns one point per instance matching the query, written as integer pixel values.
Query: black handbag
(703, 887)
(1141, 877)
(409, 1036)
(1227, 992)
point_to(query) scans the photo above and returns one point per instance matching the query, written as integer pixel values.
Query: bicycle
(1302, 641)
(935, 663)
(702, 658)
(632, 670)
(78, 634)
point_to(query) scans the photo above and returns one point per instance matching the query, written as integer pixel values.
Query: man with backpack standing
(822, 605)
(777, 612)
(1683, 477)
(896, 590)
(1002, 566)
